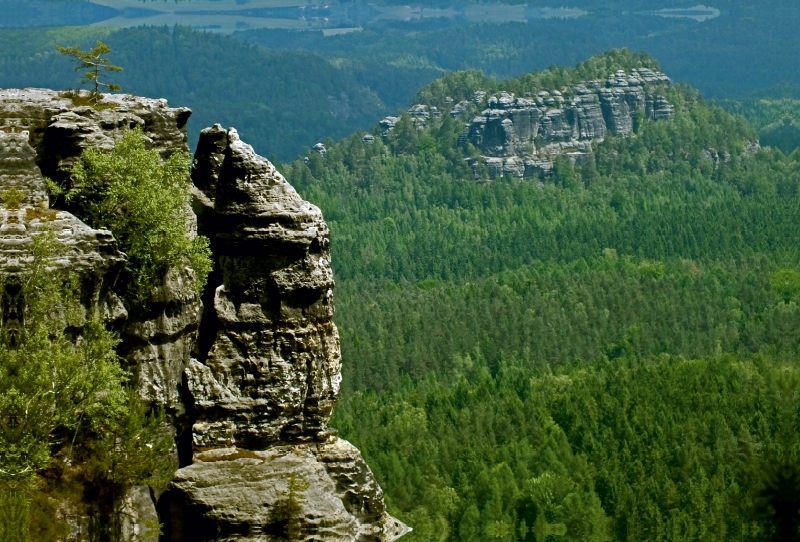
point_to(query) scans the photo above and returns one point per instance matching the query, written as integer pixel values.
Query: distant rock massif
(521, 136)
(249, 371)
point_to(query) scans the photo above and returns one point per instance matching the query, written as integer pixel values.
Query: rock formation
(520, 136)
(250, 372)
(93, 253)
(272, 372)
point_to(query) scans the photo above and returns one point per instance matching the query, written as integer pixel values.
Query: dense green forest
(604, 353)
(282, 102)
(777, 119)
(748, 48)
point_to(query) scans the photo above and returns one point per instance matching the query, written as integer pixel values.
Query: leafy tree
(93, 62)
(144, 202)
(62, 392)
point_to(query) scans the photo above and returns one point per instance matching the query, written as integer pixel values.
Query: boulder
(315, 491)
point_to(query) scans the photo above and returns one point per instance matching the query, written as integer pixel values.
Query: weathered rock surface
(272, 371)
(268, 368)
(250, 373)
(138, 515)
(158, 340)
(233, 494)
(59, 129)
(93, 253)
(521, 135)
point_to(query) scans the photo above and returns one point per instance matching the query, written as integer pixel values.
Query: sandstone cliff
(250, 372)
(521, 135)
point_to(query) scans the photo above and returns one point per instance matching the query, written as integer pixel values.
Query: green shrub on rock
(144, 202)
(69, 423)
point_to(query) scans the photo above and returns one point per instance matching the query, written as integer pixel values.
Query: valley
(563, 238)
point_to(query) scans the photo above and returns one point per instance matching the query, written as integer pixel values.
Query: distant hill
(408, 206)
(586, 350)
(282, 102)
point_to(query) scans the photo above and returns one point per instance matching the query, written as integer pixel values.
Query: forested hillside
(601, 353)
(776, 118)
(282, 102)
(748, 48)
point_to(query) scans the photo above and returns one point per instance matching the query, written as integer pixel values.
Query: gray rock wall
(535, 129)
(267, 371)
(273, 370)
(248, 374)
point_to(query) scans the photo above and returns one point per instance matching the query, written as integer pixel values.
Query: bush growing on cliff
(144, 202)
(68, 422)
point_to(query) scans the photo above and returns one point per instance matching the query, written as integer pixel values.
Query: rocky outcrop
(521, 135)
(158, 338)
(387, 125)
(43, 129)
(264, 382)
(231, 494)
(248, 374)
(320, 149)
(61, 124)
(46, 131)
(272, 371)
(93, 253)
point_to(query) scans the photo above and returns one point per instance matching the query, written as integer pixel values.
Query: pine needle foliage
(93, 63)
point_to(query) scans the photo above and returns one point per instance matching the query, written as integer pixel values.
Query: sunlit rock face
(268, 369)
(273, 369)
(56, 127)
(249, 372)
(43, 130)
(235, 494)
(93, 253)
(521, 135)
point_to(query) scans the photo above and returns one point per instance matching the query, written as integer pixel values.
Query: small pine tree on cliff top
(92, 62)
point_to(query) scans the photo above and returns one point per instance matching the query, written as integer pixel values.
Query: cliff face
(250, 372)
(520, 136)
(267, 370)
(273, 369)
(93, 253)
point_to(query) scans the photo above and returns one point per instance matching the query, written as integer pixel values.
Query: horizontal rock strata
(229, 493)
(248, 374)
(274, 368)
(93, 253)
(268, 369)
(520, 136)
